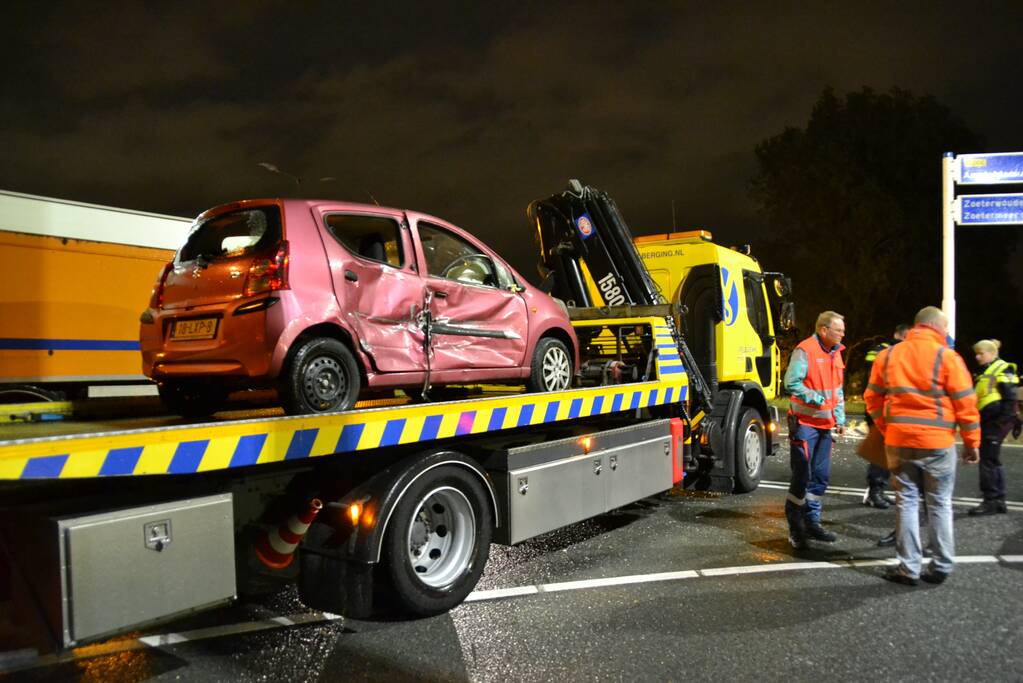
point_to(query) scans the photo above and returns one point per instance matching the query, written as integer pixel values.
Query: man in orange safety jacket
(919, 392)
(816, 406)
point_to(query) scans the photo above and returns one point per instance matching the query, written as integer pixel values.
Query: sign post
(1001, 168)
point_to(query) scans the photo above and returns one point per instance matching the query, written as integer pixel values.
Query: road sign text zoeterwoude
(989, 209)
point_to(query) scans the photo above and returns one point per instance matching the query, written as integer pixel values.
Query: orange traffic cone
(277, 548)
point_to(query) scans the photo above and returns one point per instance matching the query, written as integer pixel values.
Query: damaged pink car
(323, 299)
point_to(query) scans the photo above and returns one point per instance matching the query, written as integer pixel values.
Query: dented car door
(479, 319)
(378, 289)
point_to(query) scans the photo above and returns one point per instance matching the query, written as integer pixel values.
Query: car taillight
(268, 275)
(156, 298)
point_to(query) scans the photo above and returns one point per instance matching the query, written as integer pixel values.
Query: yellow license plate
(202, 328)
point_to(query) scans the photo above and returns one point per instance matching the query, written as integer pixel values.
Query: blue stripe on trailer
(636, 399)
(525, 415)
(670, 356)
(552, 411)
(616, 404)
(46, 467)
(392, 432)
(652, 401)
(187, 457)
(575, 407)
(248, 449)
(666, 346)
(301, 444)
(598, 403)
(672, 369)
(120, 461)
(349, 439)
(16, 344)
(497, 419)
(431, 425)
(669, 394)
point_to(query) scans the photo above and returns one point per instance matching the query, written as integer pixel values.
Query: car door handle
(441, 295)
(351, 276)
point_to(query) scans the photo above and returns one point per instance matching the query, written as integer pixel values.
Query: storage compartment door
(135, 566)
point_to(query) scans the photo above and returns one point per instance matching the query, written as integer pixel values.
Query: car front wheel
(552, 366)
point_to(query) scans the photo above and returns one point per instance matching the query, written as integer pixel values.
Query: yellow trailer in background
(75, 279)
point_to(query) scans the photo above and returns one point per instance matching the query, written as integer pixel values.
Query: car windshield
(231, 235)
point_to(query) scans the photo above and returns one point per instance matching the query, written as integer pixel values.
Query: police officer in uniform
(877, 477)
(996, 385)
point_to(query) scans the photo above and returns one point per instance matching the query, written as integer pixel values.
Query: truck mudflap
(405, 504)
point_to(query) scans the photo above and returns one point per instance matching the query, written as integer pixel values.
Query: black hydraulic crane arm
(583, 224)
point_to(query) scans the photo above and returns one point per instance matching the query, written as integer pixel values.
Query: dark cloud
(465, 113)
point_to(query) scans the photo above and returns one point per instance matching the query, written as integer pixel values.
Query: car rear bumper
(242, 347)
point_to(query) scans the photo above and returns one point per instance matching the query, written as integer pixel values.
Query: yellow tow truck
(102, 532)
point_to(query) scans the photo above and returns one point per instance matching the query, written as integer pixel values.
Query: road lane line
(317, 618)
(852, 491)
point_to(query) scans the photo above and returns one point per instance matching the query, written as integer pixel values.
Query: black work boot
(988, 507)
(797, 526)
(818, 533)
(887, 541)
(874, 498)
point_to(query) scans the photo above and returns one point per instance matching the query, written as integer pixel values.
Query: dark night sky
(465, 113)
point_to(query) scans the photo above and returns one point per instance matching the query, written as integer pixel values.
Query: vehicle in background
(74, 278)
(322, 299)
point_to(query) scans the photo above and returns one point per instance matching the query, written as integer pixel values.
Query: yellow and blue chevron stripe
(219, 446)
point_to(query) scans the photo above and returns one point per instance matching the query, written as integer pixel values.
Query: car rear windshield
(239, 233)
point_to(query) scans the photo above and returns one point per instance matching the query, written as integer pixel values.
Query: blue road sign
(990, 209)
(991, 169)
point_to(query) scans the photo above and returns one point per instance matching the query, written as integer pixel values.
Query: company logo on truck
(729, 297)
(585, 226)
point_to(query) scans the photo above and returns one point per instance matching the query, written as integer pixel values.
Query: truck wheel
(192, 400)
(438, 540)
(750, 449)
(551, 367)
(322, 377)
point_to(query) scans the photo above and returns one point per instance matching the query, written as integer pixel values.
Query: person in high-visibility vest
(996, 384)
(919, 393)
(816, 406)
(877, 476)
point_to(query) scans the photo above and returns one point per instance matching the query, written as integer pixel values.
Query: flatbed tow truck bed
(194, 448)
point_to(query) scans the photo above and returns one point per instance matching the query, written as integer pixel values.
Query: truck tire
(437, 541)
(551, 369)
(750, 450)
(191, 399)
(322, 377)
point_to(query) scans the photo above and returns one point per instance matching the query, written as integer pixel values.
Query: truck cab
(728, 306)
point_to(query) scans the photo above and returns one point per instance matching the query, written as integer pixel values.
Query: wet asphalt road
(836, 620)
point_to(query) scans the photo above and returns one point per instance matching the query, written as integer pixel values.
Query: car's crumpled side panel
(480, 327)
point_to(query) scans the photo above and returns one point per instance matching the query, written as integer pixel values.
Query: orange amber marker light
(586, 442)
(772, 426)
(354, 512)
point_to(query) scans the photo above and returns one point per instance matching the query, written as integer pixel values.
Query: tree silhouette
(853, 201)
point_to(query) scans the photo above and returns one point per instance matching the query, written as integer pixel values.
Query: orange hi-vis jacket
(919, 391)
(825, 373)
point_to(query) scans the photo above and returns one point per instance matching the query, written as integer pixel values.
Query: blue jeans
(934, 472)
(810, 461)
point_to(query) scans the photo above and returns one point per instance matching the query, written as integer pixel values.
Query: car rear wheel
(323, 377)
(191, 399)
(551, 367)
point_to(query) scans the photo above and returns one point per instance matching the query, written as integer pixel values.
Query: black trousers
(992, 474)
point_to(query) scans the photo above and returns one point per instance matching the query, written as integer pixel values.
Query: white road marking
(852, 491)
(315, 618)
